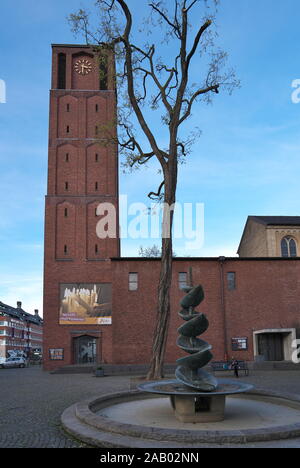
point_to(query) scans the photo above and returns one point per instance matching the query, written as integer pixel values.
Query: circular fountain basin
(242, 413)
(141, 419)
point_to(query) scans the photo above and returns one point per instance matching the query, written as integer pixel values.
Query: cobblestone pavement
(32, 402)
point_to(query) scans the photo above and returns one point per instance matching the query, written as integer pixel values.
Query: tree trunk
(163, 313)
(163, 306)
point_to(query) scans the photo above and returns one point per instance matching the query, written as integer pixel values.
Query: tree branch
(197, 40)
(175, 27)
(151, 72)
(214, 88)
(156, 195)
(130, 83)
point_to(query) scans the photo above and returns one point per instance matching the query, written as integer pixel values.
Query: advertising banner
(85, 303)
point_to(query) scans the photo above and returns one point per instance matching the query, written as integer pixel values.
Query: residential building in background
(21, 333)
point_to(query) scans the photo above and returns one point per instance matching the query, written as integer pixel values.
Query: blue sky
(245, 163)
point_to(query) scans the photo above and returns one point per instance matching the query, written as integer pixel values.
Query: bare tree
(150, 252)
(161, 85)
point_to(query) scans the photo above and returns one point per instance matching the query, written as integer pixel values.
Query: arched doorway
(85, 349)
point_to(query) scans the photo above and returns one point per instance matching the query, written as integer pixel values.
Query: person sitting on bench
(235, 366)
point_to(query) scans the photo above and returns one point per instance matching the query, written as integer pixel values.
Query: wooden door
(270, 345)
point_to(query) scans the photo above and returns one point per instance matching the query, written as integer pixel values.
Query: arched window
(288, 247)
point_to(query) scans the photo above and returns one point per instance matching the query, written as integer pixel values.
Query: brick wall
(82, 172)
(266, 297)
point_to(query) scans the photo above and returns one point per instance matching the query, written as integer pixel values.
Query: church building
(100, 307)
(270, 236)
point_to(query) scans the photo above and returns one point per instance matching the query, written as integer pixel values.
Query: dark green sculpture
(190, 370)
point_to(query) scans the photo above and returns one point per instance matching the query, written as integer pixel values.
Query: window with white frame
(182, 280)
(133, 281)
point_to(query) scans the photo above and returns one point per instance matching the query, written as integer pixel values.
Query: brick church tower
(82, 173)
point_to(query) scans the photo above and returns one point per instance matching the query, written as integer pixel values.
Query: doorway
(85, 350)
(270, 346)
(274, 344)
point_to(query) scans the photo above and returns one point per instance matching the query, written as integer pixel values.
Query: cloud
(31, 247)
(27, 289)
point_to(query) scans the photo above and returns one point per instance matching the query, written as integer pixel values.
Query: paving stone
(32, 402)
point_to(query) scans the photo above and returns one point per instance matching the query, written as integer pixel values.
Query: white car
(13, 362)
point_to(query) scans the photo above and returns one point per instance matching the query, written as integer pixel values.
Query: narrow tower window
(96, 157)
(96, 249)
(61, 77)
(66, 212)
(96, 185)
(65, 249)
(68, 129)
(66, 185)
(67, 157)
(103, 73)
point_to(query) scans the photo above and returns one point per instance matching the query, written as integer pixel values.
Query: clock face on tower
(83, 67)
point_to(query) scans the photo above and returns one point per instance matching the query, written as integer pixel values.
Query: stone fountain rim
(81, 421)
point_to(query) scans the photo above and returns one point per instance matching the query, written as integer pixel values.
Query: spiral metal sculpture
(189, 370)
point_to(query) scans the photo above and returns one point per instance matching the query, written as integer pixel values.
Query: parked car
(13, 362)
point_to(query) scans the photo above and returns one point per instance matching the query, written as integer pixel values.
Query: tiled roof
(271, 221)
(20, 314)
(277, 220)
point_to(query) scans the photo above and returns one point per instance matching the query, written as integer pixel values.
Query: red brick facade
(82, 173)
(265, 298)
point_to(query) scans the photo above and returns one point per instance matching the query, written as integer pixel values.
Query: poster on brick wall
(239, 344)
(85, 303)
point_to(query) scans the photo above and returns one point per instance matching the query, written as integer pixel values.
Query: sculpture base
(203, 409)
(192, 406)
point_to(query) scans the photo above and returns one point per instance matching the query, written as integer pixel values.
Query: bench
(226, 366)
(219, 365)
